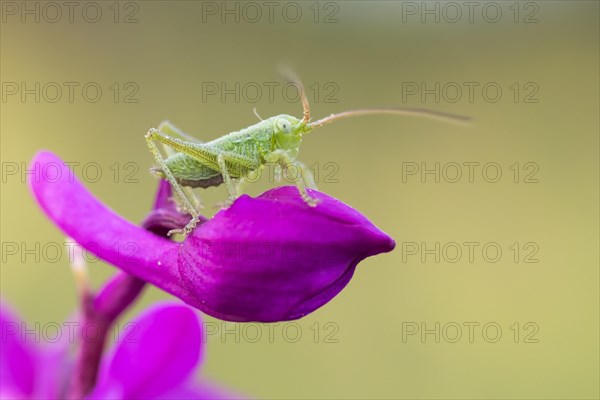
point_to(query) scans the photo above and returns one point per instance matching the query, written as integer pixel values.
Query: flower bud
(270, 258)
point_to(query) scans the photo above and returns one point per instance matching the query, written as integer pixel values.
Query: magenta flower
(155, 361)
(27, 372)
(271, 258)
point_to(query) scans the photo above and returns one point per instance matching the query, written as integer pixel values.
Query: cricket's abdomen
(190, 172)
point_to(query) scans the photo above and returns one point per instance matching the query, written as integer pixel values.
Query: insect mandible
(229, 159)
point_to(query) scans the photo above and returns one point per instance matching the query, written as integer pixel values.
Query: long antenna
(423, 113)
(289, 74)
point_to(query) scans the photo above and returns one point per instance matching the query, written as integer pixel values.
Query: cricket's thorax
(252, 142)
(262, 138)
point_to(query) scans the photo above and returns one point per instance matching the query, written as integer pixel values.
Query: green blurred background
(360, 54)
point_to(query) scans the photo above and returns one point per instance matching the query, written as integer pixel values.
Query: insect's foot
(186, 229)
(229, 202)
(223, 205)
(311, 201)
(176, 232)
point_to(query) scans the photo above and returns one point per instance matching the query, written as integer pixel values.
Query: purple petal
(17, 358)
(274, 258)
(55, 367)
(95, 227)
(156, 354)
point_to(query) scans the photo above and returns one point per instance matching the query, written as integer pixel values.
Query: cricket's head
(288, 131)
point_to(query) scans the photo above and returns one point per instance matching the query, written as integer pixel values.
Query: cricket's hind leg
(153, 134)
(166, 127)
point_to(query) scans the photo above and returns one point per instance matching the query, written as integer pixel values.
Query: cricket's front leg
(303, 178)
(307, 175)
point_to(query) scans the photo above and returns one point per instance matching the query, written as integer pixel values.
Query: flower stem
(101, 312)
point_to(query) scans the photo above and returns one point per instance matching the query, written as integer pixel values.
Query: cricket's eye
(284, 125)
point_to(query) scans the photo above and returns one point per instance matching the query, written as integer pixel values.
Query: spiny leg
(150, 136)
(282, 158)
(306, 173)
(231, 187)
(168, 128)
